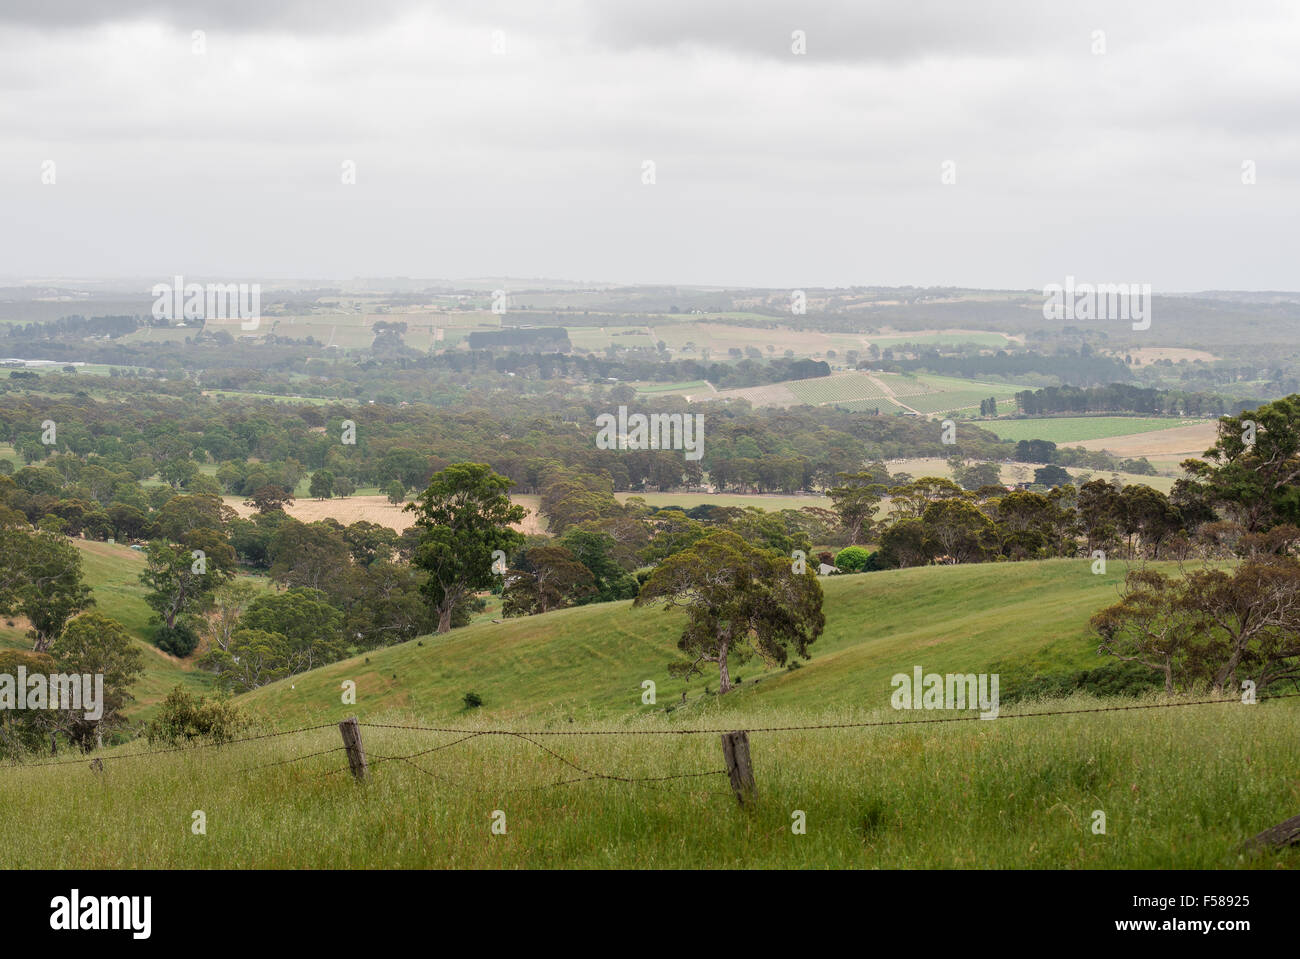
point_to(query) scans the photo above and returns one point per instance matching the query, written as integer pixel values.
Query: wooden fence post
(351, 731)
(1277, 837)
(735, 751)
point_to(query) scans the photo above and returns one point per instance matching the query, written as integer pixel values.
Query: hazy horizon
(493, 141)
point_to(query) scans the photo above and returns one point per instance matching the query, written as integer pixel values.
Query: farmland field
(588, 340)
(904, 385)
(864, 391)
(691, 386)
(374, 509)
(721, 337)
(774, 394)
(1178, 442)
(831, 389)
(989, 340)
(1073, 429)
(869, 406)
(1024, 472)
(936, 383)
(951, 401)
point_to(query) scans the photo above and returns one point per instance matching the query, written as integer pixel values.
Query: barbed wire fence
(734, 740)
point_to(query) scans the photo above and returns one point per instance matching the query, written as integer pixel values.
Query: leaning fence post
(351, 731)
(1277, 837)
(735, 751)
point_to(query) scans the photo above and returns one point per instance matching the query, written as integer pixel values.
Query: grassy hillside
(112, 571)
(1179, 787)
(590, 661)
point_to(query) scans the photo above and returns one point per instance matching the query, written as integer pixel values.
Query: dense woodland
(137, 474)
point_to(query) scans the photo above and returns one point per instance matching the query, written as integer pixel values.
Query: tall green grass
(1180, 788)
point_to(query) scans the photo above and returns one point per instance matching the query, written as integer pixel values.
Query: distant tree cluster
(1121, 398)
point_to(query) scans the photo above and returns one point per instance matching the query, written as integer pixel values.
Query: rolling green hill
(112, 571)
(994, 795)
(591, 660)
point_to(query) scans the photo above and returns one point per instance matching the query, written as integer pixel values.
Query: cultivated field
(987, 340)
(662, 388)
(864, 391)
(1147, 355)
(1179, 442)
(377, 509)
(773, 394)
(1078, 430)
(374, 509)
(1014, 472)
(691, 337)
(353, 329)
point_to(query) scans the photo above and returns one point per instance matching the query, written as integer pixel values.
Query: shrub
(179, 640)
(473, 700)
(1107, 680)
(184, 717)
(24, 731)
(852, 559)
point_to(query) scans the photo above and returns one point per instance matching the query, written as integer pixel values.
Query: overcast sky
(495, 138)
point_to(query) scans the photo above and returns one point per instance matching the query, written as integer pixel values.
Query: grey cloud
(903, 30)
(308, 16)
(772, 169)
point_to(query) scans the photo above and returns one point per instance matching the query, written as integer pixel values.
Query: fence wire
(588, 775)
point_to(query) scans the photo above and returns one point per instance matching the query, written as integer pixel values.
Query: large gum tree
(739, 600)
(464, 516)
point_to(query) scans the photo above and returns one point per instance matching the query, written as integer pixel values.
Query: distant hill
(590, 661)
